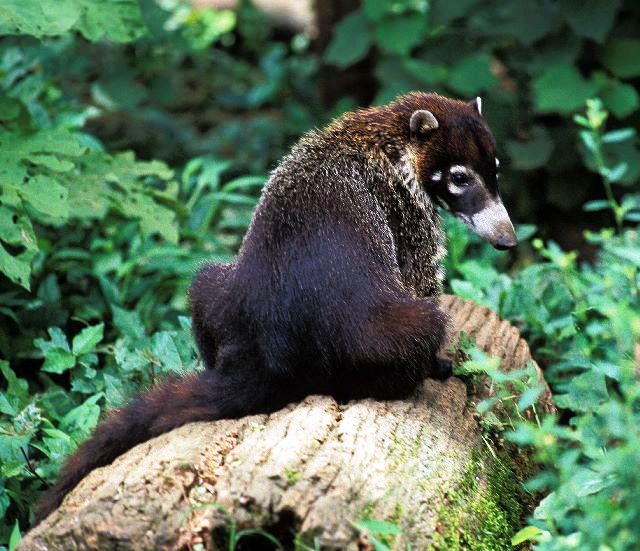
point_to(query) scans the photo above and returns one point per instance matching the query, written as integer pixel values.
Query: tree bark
(310, 473)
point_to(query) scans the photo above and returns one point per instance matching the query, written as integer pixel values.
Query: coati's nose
(505, 237)
(504, 243)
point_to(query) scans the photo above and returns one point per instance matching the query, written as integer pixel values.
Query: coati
(334, 288)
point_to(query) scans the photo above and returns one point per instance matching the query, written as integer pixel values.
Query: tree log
(310, 473)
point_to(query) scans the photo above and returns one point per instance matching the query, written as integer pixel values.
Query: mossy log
(309, 473)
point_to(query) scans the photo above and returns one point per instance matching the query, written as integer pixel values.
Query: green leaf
(375, 9)
(426, 73)
(533, 153)
(526, 20)
(596, 205)
(118, 20)
(621, 99)
(81, 420)
(561, 88)
(351, 41)
(164, 349)
(128, 322)
(46, 195)
(15, 537)
(585, 392)
(9, 107)
(85, 341)
(472, 75)
(590, 18)
(622, 57)
(398, 34)
(17, 267)
(529, 397)
(15, 386)
(444, 11)
(58, 360)
(620, 135)
(528, 533)
(38, 17)
(121, 183)
(381, 527)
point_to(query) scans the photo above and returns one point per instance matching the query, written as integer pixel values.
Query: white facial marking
(458, 169)
(485, 222)
(497, 163)
(436, 176)
(455, 190)
(479, 104)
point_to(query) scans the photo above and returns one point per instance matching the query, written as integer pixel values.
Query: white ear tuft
(477, 104)
(422, 121)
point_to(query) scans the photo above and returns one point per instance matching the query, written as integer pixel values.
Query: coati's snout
(466, 195)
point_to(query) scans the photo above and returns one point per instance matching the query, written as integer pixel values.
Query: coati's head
(453, 156)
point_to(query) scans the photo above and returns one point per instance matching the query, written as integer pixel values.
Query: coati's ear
(422, 121)
(477, 105)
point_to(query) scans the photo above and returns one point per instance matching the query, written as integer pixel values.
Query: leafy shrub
(583, 324)
(96, 253)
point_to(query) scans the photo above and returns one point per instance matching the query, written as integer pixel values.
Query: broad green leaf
(590, 18)
(81, 420)
(382, 527)
(85, 341)
(17, 268)
(351, 40)
(9, 107)
(375, 9)
(533, 153)
(128, 322)
(164, 349)
(426, 73)
(58, 360)
(400, 33)
(118, 20)
(528, 533)
(527, 20)
(621, 99)
(529, 397)
(585, 392)
(15, 386)
(444, 11)
(46, 195)
(122, 183)
(38, 17)
(622, 57)
(561, 88)
(472, 75)
(15, 537)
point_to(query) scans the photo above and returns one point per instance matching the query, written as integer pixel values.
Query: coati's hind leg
(206, 299)
(397, 349)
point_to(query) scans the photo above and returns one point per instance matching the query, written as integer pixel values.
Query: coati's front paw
(442, 369)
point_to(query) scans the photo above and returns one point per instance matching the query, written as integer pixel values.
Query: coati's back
(332, 291)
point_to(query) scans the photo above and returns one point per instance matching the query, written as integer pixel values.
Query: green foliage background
(135, 138)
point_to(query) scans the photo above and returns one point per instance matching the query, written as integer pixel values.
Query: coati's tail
(202, 396)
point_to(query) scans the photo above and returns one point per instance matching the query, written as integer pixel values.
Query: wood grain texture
(310, 469)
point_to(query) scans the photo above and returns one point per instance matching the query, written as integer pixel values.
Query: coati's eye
(459, 178)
